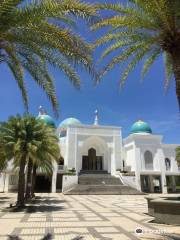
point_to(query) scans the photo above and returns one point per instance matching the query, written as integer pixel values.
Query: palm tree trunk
(29, 179)
(176, 68)
(33, 181)
(21, 183)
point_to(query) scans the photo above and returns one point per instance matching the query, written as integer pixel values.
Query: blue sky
(146, 100)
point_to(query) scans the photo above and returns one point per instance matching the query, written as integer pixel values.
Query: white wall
(169, 152)
(69, 182)
(106, 140)
(135, 147)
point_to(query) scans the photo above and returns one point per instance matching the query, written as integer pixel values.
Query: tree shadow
(43, 208)
(34, 208)
(47, 201)
(48, 236)
(37, 204)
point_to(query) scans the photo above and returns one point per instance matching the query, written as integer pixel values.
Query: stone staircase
(98, 179)
(100, 184)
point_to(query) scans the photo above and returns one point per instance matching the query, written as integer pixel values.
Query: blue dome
(69, 121)
(140, 127)
(47, 120)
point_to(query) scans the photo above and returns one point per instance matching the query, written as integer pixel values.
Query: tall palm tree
(41, 32)
(143, 30)
(26, 138)
(47, 152)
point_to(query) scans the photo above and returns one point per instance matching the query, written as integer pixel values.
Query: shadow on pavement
(47, 201)
(34, 208)
(39, 204)
(48, 236)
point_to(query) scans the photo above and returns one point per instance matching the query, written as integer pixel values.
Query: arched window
(148, 160)
(168, 164)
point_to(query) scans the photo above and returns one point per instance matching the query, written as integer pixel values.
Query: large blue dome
(47, 120)
(69, 121)
(141, 127)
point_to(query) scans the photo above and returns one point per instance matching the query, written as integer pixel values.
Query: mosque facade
(141, 160)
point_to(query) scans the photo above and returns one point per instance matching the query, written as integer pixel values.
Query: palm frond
(135, 60)
(149, 61)
(17, 70)
(40, 32)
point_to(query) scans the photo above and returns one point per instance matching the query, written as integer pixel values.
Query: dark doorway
(156, 183)
(85, 163)
(151, 184)
(145, 184)
(92, 162)
(59, 183)
(43, 183)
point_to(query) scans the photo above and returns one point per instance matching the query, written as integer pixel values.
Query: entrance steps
(93, 172)
(101, 184)
(102, 190)
(98, 179)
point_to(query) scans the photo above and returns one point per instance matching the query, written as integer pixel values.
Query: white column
(76, 152)
(109, 159)
(118, 150)
(54, 177)
(4, 182)
(137, 167)
(163, 170)
(67, 149)
(113, 162)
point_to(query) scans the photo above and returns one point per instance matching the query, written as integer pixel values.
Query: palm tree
(47, 152)
(38, 33)
(3, 156)
(142, 30)
(26, 138)
(3, 161)
(178, 156)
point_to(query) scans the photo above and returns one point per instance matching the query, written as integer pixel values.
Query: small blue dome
(140, 127)
(69, 121)
(47, 120)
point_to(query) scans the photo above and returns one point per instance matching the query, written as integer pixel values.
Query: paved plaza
(91, 216)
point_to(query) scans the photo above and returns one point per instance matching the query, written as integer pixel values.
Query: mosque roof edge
(170, 145)
(95, 126)
(141, 136)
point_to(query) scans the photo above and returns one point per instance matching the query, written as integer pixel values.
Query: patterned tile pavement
(90, 216)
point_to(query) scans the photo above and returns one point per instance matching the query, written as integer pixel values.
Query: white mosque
(141, 160)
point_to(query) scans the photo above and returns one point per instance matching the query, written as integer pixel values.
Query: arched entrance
(92, 161)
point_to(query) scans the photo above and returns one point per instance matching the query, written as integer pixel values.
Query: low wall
(150, 205)
(130, 181)
(165, 210)
(68, 182)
